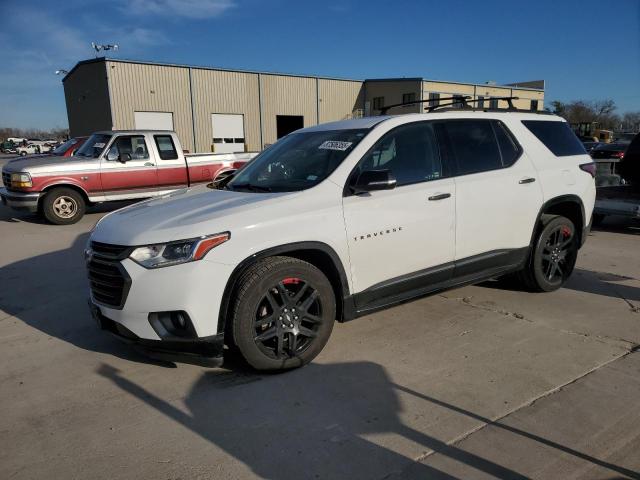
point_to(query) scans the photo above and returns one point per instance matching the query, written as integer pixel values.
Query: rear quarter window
(556, 136)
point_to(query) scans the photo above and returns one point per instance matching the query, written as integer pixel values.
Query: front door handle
(439, 196)
(527, 180)
(149, 164)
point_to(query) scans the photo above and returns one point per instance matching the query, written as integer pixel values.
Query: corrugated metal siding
(86, 94)
(225, 92)
(392, 92)
(151, 88)
(339, 99)
(283, 95)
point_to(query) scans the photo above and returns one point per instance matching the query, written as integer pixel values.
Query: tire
(23, 154)
(63, 206)
(282, 313)
(552, 257)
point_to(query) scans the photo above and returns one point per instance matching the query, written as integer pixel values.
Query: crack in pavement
(495, 421)
(599, 338)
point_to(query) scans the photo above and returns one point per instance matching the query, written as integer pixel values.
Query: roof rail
(464, 101)
(386, 108)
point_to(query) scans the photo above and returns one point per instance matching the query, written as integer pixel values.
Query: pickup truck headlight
(21, 180)
(174, 253)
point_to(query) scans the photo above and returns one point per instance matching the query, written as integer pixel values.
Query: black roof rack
(386, 108)
(464, 101)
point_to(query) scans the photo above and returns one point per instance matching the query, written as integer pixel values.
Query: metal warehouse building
(222, 110)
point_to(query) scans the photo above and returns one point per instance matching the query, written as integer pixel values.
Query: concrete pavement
(479, 382)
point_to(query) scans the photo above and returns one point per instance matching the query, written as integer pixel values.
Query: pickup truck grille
(6, 179)
(108, 279)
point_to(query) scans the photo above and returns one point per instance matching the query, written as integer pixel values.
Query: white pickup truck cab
(339, 220)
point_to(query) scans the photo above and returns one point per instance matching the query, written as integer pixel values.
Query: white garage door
(154, 120)
(228, 132)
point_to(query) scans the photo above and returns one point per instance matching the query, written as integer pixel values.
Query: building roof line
(201, 67)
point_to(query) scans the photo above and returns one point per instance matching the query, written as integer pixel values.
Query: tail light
(619, 155)
(590, 168)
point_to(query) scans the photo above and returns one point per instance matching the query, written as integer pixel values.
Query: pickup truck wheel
(283, 313)
(23, 154)
(553, 256)
(63, 206)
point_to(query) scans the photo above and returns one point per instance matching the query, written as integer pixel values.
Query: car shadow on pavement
(316, 422)
(49, 292)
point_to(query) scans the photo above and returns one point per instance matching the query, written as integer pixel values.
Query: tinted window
(474, 145)
(509, 149)
(166, 148)
(410, 152)
(556, 136)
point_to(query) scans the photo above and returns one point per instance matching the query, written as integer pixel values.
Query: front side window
(474, 145)
(298, 161)
(94, 145)
(166, 148)
(556, 136)
(134, 145)
(409, 152)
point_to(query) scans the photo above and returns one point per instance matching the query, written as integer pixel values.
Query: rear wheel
(553, 256)
(283, 313)
(63, 206)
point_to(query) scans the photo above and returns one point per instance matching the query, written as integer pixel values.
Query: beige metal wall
(392, 92)
(282, 95)
(151, 88)
(86, 94)
(339, 99)
(216, 91)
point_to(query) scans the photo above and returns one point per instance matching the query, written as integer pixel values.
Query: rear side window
(474, 145)
(556, 136)
(166, 148)
(509, 149)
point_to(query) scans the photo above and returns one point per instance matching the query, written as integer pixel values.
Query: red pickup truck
(110, 165)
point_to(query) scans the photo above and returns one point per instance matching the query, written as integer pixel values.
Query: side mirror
(124, 157)
(371, 180)
(220, 182)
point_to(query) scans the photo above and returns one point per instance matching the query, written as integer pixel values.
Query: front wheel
(283, 313)
(63, 206)
(553, 256)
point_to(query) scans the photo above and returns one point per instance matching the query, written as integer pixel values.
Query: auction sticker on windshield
(98, 145)
(335, 145)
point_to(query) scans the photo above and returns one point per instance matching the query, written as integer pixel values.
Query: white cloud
(195, 9)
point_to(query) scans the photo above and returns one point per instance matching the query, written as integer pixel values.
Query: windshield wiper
(249, 186)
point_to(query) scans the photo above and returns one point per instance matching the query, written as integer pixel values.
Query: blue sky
(584, 49)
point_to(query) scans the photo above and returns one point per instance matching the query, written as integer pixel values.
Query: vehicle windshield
(94, 145)
(61, 149)
(297, 162)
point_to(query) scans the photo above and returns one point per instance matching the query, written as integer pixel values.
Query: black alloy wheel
(282, 314)
(288, 318)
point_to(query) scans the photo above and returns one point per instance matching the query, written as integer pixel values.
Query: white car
(339, 220)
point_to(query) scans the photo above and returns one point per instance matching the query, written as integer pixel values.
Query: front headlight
(181, 251)
(21, 180)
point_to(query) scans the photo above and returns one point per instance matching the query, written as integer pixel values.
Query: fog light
(172, 324)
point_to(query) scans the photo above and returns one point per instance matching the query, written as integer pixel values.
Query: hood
(22, 164)
(183, 214)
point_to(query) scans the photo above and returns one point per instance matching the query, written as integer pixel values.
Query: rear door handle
(149, 164)
(527, 180)
(439, 196)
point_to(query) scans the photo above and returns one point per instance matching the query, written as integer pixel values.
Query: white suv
(337, 221)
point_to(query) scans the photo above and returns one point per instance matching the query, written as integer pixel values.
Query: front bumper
(206, 352)
(20, 200)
